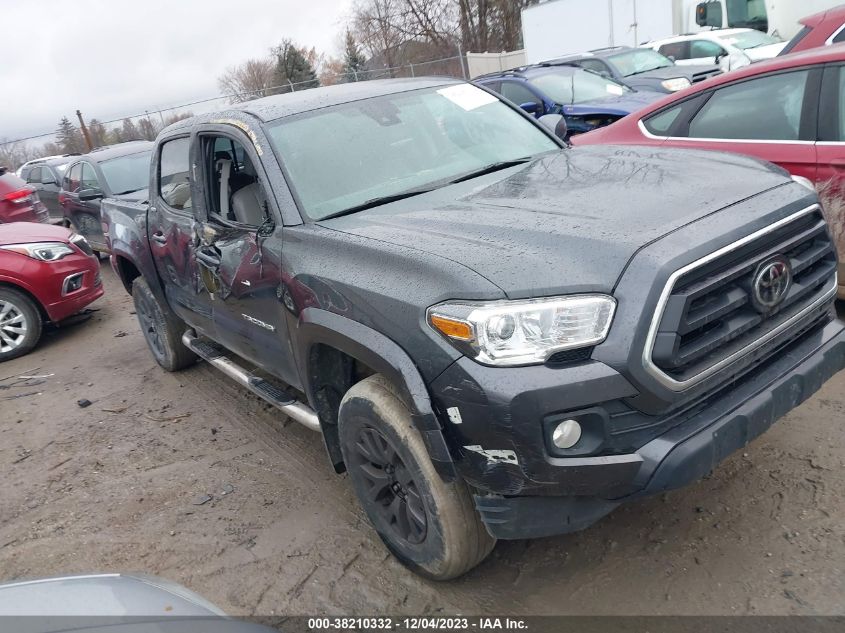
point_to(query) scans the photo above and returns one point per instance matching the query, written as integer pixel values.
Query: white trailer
(560, 27)
(778, 17)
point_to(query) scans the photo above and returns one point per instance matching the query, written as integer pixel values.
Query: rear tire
(161, 329)
(20, 324)
(431, 526)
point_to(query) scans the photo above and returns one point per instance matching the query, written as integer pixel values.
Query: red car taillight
(21, 196)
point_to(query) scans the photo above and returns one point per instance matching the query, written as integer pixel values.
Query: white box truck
(559, 27)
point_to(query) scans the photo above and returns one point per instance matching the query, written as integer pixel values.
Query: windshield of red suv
(344, 156)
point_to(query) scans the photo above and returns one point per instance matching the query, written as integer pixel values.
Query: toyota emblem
(771, 283)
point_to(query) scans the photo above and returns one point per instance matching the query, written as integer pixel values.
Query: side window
(518, 93)
(174, 182)
(236, 195)
(72, 178)
(89, 177)
(731, 112)
(659, 124)
(705, 48)
(840, 36)
(675, 50)
(34, 175)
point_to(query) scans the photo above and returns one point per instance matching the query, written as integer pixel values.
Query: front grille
(697, 77)
(710, 315)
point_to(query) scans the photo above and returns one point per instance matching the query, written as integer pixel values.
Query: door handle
(210, 259)
(159, 238)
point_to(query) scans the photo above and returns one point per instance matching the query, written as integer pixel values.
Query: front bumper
(531, 498)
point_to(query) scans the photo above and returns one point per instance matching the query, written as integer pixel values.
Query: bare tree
(16, 153)
(250, 80)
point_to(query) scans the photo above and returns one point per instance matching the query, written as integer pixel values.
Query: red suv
(821, 29)
(46, 273)
(19, 201)
(788, 110)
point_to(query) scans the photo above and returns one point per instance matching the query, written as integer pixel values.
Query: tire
(431, 526)
(161, 329)
(20, 324)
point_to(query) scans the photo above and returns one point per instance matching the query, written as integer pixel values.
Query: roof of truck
(278, 106)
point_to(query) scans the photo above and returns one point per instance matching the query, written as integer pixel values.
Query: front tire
(431, 526)
(20, 324)
(161, 329)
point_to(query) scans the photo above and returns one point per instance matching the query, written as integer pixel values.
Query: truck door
(239, 254)
(173, 234)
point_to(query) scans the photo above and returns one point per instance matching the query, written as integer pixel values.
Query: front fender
(317, 326)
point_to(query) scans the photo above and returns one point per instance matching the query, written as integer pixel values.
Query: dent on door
(231, 263)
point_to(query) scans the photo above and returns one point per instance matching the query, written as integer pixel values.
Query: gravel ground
(188, 477)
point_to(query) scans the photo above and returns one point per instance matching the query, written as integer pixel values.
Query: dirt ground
(120, 485)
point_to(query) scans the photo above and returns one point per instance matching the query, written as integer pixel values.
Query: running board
(215, 355)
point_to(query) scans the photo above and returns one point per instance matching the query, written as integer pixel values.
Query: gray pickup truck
(498, 336)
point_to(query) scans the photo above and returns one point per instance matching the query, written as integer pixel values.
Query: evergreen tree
(69, 137)
(354, 61)
(293, 67)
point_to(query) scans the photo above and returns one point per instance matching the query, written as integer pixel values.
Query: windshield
(127, 173)
(638, 61)
(573, 85)
(749, 39)
(344, 156)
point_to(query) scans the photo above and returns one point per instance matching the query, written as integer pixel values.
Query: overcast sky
(111, 58)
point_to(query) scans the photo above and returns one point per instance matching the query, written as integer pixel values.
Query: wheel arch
(335, 352)
(12, 284)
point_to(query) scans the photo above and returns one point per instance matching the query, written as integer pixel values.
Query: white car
(729, 48)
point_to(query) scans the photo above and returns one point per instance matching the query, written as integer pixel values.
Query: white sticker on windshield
(466, 96)
(613, 89)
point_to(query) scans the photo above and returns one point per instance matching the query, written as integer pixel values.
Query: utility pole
(85, 131)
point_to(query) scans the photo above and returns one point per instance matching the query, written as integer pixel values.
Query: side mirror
(531, 107)
(90, 194)
(557, 124)
(709, 14)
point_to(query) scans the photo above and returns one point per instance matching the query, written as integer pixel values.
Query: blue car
(587, 100)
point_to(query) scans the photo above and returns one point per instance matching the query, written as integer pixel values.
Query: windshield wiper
(123, 193)
(489, 169)
(377, 202)
(647, 70)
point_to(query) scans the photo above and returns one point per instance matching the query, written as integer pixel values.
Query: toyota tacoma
(498, 337)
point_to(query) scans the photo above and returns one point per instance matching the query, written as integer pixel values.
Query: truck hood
(765, 52)
(678, 70)
(567, 222)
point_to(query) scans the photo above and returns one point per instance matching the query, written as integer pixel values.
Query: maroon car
(821, 29)
(787, 110)
(46, 273)
(19, 201)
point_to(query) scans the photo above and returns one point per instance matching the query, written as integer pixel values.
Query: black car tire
(25, 307)
(161, 329)
(430, 525)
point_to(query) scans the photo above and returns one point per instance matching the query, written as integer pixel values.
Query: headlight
(678, 83)
(45, 251)
(523, 332)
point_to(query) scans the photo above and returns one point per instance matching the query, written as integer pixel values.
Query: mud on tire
(161, 329)
(431, 526)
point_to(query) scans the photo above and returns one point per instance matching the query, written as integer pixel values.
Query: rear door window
(174, 183)
(675, 50)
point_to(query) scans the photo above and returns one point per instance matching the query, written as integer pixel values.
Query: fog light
(566, 434)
